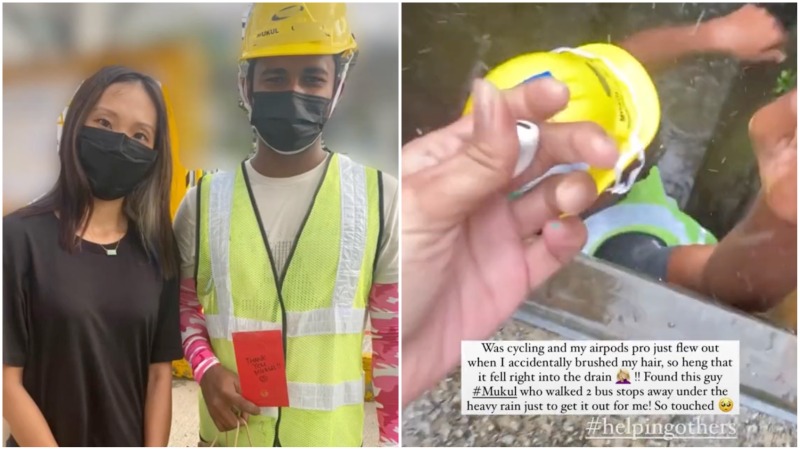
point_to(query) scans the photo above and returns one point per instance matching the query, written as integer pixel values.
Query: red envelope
(262, 371)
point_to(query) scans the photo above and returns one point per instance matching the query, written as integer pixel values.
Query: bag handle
(236, 436)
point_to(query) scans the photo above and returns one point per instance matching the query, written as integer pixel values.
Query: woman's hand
(470, 255)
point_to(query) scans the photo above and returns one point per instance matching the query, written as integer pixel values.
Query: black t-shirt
(85, 327)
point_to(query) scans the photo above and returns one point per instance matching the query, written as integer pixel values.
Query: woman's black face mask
(114, 163)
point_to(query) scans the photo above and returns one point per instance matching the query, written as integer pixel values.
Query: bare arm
(750, 34)
(659, 48)
(158, 405)
(166, 348)
(24, 418)
(686, 265)
(755, 266)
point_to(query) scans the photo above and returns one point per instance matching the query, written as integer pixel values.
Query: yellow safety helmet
(285, 29)
(607, 86)
(291, 29)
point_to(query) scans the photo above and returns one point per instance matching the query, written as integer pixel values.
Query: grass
(786, 81)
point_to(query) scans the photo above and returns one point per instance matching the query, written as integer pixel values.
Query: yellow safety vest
(319, 301)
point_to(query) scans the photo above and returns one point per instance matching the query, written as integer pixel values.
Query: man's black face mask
(287, 121)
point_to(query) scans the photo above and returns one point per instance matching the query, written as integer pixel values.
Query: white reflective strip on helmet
(634, 144)
(298, 324)
(219, 223)
(326, 397)
(617, 217)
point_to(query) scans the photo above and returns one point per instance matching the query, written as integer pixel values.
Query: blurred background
(192, 49)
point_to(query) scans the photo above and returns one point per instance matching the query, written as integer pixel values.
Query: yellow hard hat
(286, 29)
(607, 86)
(293, 29)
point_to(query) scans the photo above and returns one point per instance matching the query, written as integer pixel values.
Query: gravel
(435, 420)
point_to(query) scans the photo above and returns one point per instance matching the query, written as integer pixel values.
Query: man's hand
(471, 255)
(773, 134)
(221, 392)
(751, 34)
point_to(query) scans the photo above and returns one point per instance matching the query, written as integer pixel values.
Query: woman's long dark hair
(147, 206)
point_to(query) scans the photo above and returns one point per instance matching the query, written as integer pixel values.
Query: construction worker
(627, 230)
(647, 232)
(298, 239)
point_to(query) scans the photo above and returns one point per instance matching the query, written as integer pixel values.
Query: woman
(90, 308)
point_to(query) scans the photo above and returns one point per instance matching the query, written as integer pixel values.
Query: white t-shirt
(283, 204)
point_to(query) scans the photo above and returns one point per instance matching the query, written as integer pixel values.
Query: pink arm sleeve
(194, 335)
(383, 311)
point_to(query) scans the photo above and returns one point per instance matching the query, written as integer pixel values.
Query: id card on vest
(261, 367)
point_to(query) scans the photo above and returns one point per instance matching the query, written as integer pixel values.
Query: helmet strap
(343, 65)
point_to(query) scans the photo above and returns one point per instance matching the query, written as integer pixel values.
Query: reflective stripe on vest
(325, 288)
(607, 222)
(315, 322)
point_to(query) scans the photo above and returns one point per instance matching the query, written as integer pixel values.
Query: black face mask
(289, 122)
(114, 163)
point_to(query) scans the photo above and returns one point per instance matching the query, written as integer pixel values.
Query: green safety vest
(646, 209)
(320, 304)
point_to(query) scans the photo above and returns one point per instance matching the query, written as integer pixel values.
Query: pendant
(111, 252)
